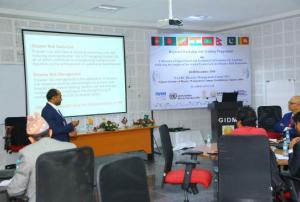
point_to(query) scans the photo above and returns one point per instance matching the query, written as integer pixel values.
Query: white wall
(275, 55)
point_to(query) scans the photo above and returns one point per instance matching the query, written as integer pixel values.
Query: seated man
(39, 135)
(246, 123)
(294, 151)
(287, 120)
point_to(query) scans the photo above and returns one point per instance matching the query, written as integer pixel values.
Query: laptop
(229, 96)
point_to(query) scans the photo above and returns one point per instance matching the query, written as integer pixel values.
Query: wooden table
(213, 148)
(119, 141)
(207, 149)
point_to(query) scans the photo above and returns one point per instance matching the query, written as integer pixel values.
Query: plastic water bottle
(208, 140)
(17, 163)
(287, 136)
(285, 147)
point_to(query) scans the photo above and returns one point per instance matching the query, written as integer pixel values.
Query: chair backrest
(15, 135)
(65, 175)
(123, 180)
(167, 147)
(244, 169)
(268, 116)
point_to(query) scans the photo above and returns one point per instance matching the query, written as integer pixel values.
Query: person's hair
(51, 93)
(296, 117)
(37, 137)
(247, 116)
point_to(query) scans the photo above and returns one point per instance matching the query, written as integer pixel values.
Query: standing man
(24, 180)
(287, 120)
(61, 129)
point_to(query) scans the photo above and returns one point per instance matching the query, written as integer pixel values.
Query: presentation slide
(89, 70)
(191, 71)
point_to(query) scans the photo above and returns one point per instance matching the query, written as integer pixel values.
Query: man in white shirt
(39, 134)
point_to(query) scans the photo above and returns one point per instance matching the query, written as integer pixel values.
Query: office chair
(189, 177)
(65, 175)
(244, 169)
(123, 180)
(15, 134)
(267, 117)
(292, 176)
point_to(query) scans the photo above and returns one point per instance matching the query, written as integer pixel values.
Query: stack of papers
(281, 157)
(5, 183)
(273, 140)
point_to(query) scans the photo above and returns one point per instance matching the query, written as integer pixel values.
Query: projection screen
(88, 69)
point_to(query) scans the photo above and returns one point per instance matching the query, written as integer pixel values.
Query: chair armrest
(21, 198)
(10, 166)
(188, 162)
(288, 176)
(192, 152)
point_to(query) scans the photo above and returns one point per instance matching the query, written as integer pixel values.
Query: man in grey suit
(39, 135)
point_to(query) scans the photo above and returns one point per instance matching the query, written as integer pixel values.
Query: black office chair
(15, 134)
(123, 180)
(267, 117)
(292, 191)
(188, 177)
(66, 175)
(244, 169)
(292, 176)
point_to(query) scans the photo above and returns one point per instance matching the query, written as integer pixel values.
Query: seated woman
(246, 123)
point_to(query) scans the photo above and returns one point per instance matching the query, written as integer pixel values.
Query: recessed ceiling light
(197, 18)
(107, 8)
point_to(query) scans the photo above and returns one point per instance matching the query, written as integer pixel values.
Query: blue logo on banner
(159, 94)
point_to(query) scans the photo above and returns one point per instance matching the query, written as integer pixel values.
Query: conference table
(118, 141)
(211, 150)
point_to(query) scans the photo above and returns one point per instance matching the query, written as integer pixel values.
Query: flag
(195, 41)
(244, 40)
(218, 41)
(170, 41)
(182, 41)
(231, 41)
(156, 41)
(208, 41)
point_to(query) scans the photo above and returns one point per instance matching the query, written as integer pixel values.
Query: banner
(191, 71)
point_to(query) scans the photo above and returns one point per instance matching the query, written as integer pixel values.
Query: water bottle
(208, 140)
(287, 136)
(18, 161)
(285, 147)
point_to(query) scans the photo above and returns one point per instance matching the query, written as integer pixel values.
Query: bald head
(294, 104)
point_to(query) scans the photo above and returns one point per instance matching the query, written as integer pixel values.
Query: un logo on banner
(173, 96)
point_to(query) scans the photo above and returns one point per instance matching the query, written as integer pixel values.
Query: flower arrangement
(145, 122)
(108, 125)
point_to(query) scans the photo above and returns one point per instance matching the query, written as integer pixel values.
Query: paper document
(184, 145)
(281, 157)
(5, 183)
(273, 140)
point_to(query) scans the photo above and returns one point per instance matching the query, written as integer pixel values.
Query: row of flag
(199, 41)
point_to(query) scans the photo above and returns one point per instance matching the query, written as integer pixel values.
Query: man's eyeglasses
(293, 103)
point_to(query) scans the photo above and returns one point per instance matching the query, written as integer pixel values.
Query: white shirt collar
(53, 105)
